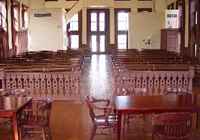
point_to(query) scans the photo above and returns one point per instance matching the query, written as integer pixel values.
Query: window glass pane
(74, 18)
(196, 17)
(102, 21)
(26, 19)
(94, 43)
(122, 41)
(74, 41)
(3, 21)
(93, 21)
(16, 24)
(192, 16)
(195, 50)
(123, 21)
(102, 43)
(74, 23)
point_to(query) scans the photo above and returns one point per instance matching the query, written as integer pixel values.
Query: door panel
(102, 22)
(102, 43)
(93, 20)
(94, 43)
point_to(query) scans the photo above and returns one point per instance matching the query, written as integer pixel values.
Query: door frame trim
(116, 11)
(107, 28)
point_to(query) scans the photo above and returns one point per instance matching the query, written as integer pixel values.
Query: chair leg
(93, 132)
(125, 125)
(43, 134)
(20, 133)
(48, 134)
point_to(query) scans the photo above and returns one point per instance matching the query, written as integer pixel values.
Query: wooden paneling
(144, 10)
(169, 40)
(180, 5)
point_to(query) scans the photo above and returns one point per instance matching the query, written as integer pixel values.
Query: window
(74, 23)
(93, 21)
(73, 32)
(122, 28)
(24, 16)
(16, 18)
(15, 13)
(3, 23)
(74, 41)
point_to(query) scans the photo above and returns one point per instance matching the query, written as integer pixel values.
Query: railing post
(191, 76)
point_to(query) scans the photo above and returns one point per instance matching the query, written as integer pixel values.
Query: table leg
(197, 120)
(119, 125)
(14, 126)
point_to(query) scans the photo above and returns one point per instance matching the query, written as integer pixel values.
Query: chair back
(90, 106)
(38, 111)
(173, 125)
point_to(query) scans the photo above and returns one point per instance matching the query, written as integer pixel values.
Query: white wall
(145, 25)
(46, 33)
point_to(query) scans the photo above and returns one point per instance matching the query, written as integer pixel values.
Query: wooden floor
(70, 120)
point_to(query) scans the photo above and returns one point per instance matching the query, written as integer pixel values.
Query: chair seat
(34, 125)
(103, 120)
(172, 126)
(38, 121)
(35, 119)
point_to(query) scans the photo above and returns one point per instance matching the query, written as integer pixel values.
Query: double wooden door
(98, 24)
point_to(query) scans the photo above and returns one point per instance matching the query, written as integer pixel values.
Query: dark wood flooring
(70, 120)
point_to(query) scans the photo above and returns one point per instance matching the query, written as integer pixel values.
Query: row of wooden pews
(44, 74)
(155, 70)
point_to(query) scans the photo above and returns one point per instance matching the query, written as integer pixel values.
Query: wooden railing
(61, 85)
(154, 70)
(197, 75)
(155, 81)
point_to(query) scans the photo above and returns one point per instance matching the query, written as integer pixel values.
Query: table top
(157, 103)
(13, 103)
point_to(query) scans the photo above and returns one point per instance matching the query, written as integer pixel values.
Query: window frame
(121, 32)
(78, 32)
(3, 18)
(24, 10)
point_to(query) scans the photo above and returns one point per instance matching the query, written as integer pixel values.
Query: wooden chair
(102, 117)
(172, 126)
(134, 117)
(35, 119)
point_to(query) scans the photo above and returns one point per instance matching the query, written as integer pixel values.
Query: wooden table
(10, 106)
(154, 104)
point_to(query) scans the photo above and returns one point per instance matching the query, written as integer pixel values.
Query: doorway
(98, 30)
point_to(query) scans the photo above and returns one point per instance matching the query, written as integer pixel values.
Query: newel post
(2, 79)
(191, 76)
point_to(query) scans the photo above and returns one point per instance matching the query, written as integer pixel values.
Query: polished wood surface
(10, 106)
(157, 103)
(71, 120)
(154, 104)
